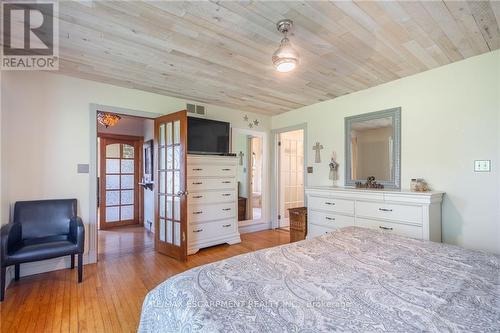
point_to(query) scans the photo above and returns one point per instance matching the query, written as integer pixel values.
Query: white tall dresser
(411, 214)
(212, 201)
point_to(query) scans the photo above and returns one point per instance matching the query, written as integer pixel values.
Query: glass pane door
(119, 175)
(171, 216)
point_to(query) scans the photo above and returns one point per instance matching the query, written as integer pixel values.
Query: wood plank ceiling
(220, 52)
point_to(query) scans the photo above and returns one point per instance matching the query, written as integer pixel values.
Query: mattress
(350, 280)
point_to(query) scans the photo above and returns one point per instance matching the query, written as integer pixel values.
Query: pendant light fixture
(108, 119)
(285, 59)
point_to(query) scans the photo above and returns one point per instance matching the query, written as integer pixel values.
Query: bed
(354, 279)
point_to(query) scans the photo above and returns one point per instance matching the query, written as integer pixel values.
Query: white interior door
(291, 174)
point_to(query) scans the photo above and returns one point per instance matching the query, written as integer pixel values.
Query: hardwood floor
(110, 297)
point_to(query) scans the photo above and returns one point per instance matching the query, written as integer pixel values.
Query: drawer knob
(226, 194)
(385, 210)
(384, 228)
(226, 209)
(198, 230)
(197, 169)
(197, 183)
(226, 169)
(330, 203)
(226, 225)
(330, 218)
(226, 182)
(197, 196)
(198, 212)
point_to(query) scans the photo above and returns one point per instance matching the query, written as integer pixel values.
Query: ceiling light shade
(285, 58)
(108, 119)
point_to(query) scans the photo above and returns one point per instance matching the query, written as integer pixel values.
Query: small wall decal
(251, 123)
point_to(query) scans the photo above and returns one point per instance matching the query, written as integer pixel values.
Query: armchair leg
(72, 261)
(2, 283)
(80, 267)
(17, 270)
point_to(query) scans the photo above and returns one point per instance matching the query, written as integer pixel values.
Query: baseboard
(254, 227)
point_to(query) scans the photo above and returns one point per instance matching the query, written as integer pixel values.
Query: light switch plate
(482, 166)
(82, 168)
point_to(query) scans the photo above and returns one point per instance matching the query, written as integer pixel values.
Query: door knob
(182, 193)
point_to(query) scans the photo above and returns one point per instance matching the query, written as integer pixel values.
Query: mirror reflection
(249, 150)
(371, 149)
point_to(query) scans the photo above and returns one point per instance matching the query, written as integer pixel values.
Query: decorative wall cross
(317, 147)
(240, 155)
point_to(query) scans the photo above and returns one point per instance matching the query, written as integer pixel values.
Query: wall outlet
(482, 166)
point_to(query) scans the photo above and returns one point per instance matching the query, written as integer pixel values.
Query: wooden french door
(170, 189)
(118, 180)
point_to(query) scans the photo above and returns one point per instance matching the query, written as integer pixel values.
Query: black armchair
(41, 230)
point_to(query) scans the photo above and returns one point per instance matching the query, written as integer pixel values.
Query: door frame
(275, 168)
(138, 194)
(92, 229)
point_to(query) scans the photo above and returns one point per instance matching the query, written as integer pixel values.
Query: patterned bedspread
(354, 279)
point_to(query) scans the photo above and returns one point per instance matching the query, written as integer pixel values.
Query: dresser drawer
(195, 185)
(331, 204)
(395, 212)
(211, 170)
(412, 231)
(330, 220)
(207, 231)
(317, 230)
(203, 212)
(211, 197)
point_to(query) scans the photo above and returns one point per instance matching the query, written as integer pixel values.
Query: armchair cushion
(40, 250)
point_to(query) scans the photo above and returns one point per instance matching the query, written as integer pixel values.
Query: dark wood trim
(120, 137)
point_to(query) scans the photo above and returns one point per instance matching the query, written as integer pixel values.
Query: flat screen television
(207, 136)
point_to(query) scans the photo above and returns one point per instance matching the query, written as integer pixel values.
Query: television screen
(207, 136)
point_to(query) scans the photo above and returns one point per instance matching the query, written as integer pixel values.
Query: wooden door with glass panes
(119, 178)
(170, 188)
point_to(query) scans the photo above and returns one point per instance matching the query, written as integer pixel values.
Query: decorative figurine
(333, 167)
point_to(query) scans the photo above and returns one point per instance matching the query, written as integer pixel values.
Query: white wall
(450, 117)
(46, 132)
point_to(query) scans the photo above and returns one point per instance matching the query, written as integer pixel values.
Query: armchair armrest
(77, 232)
(10, 235)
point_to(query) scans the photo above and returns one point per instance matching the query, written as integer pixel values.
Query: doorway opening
(290, 174)
(125, 208)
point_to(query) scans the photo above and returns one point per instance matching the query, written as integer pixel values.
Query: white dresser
(212, 201)
(411, 214)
